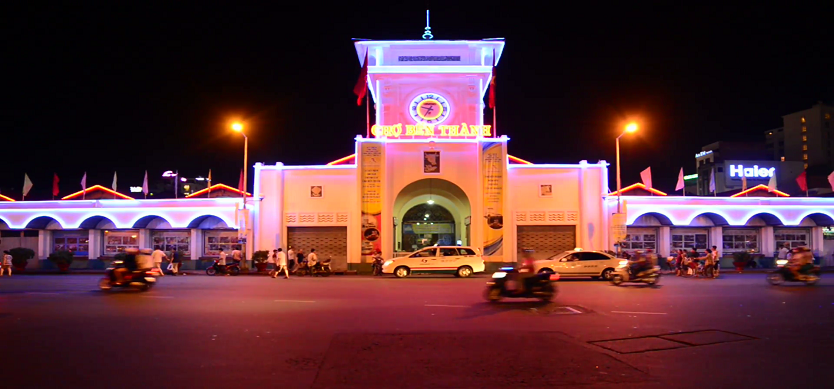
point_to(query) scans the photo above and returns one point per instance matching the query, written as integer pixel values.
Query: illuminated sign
(751, 172)
(135, 189)
(429, 108)
(703, 153)
(169, 174)
(690, 177)
(431, 130)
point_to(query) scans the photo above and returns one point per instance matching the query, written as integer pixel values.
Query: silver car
(580, 263)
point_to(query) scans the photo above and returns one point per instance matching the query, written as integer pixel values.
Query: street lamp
(238, 127)
(631, 127)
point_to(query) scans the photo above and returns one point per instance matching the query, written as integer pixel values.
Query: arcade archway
(431, 211)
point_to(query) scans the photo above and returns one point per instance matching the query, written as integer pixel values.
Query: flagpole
(494, 124)
(367, 117)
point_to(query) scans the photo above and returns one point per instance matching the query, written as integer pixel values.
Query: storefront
(172, 240)
(689, 238)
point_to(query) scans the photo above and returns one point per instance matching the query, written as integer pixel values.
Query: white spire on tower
(427, 34)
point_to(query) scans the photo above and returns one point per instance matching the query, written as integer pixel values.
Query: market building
(431, 170)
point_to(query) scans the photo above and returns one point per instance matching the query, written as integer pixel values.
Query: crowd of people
(291, 261)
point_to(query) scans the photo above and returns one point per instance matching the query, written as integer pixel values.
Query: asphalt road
(420, 332)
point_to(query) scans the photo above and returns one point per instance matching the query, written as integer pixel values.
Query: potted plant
(62, 259)
(259, 258)
(740, 260)
(21, 257)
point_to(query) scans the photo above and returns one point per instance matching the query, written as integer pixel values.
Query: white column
(716, 238)
(96, 243)
(768, 243)
(817, 242)
(145, 241)
(196, 245)
(664, 241)
(44, 243)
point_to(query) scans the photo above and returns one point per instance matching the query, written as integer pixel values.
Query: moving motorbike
(784, 274)
(216, 268)
(141, 280)
(322, 269)
(504, 283)
(622, 274)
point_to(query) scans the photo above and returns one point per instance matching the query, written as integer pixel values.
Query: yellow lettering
(453, 130)
(410, 130)
(487, 130)
(464, 130)
(429, 129)
(376, 130)
(398, 129)
(443, 129)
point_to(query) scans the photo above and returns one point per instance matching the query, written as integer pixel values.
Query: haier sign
(739, 171)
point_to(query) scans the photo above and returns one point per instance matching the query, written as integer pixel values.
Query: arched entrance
(442, 210)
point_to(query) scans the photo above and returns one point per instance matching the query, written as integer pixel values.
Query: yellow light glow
(631, 127)
(237, 127)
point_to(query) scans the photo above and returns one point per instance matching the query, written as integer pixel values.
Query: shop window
(688, 241)
(79, 244)
(119, 241)
(216, 240)
(640, 242)
(804, 157)
(804, 129)
(804, 147)
(791, 238)
(741, 240)
(170, 241)
(804, 138)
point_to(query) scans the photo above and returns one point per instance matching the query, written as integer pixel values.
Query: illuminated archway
(819, 219)
(652, 219)
(97, 223)
(714, 218)
(44, 223)
(206, 222)
(768, 219)
(152, 222)
(440, 193)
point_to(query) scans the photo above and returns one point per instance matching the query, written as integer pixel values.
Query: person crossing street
(281, 264)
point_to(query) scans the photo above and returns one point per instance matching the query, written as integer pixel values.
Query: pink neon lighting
(95, 188)
(344, 160)
(216, 187)
(761, 187)
(4, 198)
(518, 160)
(638, 186)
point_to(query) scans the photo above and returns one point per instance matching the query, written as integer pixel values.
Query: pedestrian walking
(157, 256)
(222, 262)
(281, 262)
(291, 257)
(176, 262)
(6, 264)
(716, 259)
(270, 262)
(301, 260)
(237, 256)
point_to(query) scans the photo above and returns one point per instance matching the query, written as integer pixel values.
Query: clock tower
(428, 88)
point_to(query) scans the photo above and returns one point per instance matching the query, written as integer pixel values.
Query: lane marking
(641, 313)
(294, 301)
(572, 309)
(447, 306)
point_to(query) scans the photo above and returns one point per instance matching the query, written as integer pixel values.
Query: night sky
(129, 88)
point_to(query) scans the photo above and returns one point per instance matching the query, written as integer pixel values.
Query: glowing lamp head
(631, 127)
(430, 202)
(237, 127)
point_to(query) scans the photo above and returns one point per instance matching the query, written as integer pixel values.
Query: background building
(733, 160)
(807, 136)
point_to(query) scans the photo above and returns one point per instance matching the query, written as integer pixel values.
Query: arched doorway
(446, 205)
(428, 225)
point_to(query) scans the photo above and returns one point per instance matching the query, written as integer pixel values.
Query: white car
(580, 263)
(460, 261)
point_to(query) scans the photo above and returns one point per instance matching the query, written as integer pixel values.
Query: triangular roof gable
(638, 189)
(96, 188)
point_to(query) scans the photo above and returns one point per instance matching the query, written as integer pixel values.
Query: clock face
(429, 108)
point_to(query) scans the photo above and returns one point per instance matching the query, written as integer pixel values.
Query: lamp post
(631, 127)
(238, 127)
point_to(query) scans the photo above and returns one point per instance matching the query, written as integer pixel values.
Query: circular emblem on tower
(429, 108)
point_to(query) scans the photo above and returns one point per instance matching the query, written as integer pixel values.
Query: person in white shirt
(716, 260)
(222, 261)
(281, 262)
(291, 257)
(312, 259)
(158, 255)
(6, 264)
(270, 262)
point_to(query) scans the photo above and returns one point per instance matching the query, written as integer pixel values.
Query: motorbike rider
(378, 263)
(526, 270)
(801, 262)
(130, 265)
(638, 263)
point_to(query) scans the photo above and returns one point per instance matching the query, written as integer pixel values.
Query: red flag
(240, 185)
(492, 83)
(802, 180)
(55, 185)
(362, 83)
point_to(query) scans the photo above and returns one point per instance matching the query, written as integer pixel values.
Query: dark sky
(129, 88)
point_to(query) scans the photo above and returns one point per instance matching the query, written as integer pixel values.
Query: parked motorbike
(783, 274)
(216, 268)
(377, 264)
(141, 280)
(504, 283)
(622, 274)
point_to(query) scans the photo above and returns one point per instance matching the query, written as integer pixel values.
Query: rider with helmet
(638, 263)
(802, 261)
(526, 270)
